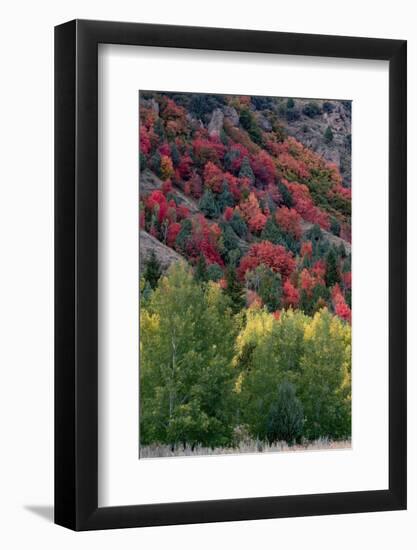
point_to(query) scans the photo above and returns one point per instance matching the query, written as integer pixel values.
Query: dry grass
(250, 446)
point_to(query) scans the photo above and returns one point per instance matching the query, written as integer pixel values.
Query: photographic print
(245, 274)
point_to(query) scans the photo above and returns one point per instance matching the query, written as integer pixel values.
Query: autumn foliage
(265, 253)
(247, 198)
(246, 287)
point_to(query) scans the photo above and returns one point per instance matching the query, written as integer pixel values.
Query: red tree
(252, 213)
(213, 177)
(291, 296)
(144, 140)
(264, 168)
(196, 185)
(184, 167)
(228, 213)
(272, 255)
(173, 231)
(208, 150)
(341, 308)
(306, 249)
(289, 220)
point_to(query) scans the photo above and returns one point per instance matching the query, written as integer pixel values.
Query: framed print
(230, 338)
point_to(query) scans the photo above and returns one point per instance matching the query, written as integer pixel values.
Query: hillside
(239, 184)
(310, 130)
(245, 275)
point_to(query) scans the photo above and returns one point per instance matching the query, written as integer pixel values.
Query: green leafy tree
(155, 163)
(223, 137)
(306, 305)
(332, 269)
(268, 352)
(286, 418)
(267, 284)
(290, 103)
(225, 197)
(234, 256)
(234, 290)
(159, 129)
(271, 232)
(238, 225)
(186, 377)
(347, 264)
(229, 238)
(152, 271)
(246, 171)
(184, 235)
(286, 197)
(320, 297)
(200, 271)
(311, 109)
(208, 204)
(145, 291)
(214, 272)
(335, 227)
(328, 134)
(247, 120)
(175, 155)
(324, 379)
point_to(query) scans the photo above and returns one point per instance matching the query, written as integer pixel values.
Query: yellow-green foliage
(187, 334)
(313, 354)
(205, 371)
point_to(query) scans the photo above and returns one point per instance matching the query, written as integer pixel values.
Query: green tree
(285, 418)
(267, 284)
(245, 119)
(328, 134)
(267, 353)
(214, 272)
(225, 197)
(208, 204)
(246, 171)
(234, 290)
(175, 155)
(145, 291)
(332, 269)
(238, 225)
(155, 163)
(152, 271)
(230, 241)
(312, 109)
(200, 271)
(324, 379)
(159, 129)
(186, 378)
(271, 232)
(234, 256)
(306, 305)
(223, 137)
(290, 103)
(184, 235)
(249, 123)
(286, 197)
(320, 297)
(335, 227)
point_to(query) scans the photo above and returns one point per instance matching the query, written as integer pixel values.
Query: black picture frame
(76, 271)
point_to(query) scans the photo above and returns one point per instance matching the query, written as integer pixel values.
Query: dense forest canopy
(245, 225)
